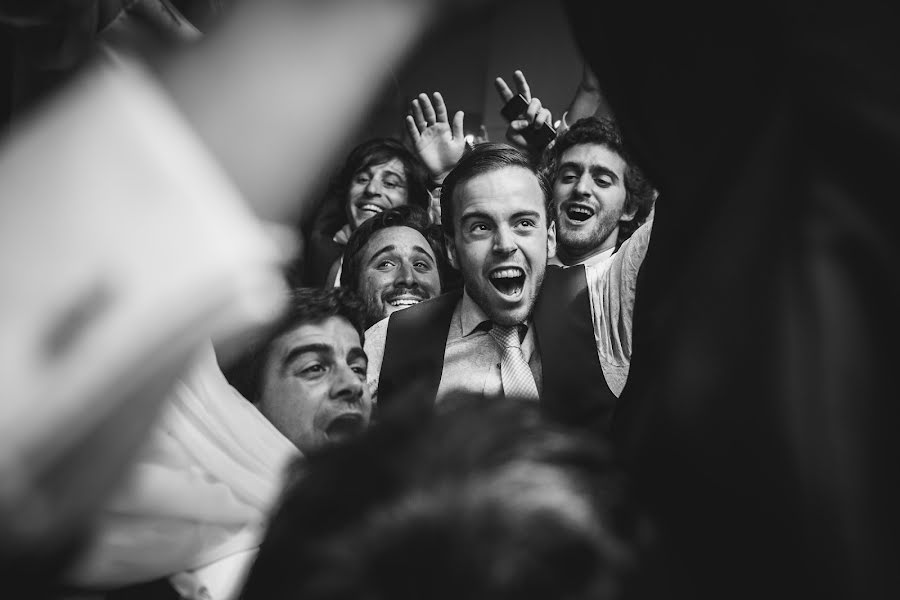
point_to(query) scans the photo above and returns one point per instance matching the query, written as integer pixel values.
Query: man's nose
(373, 188)
(585, 185)
(504, 241)
(406, 275)
(346, 385)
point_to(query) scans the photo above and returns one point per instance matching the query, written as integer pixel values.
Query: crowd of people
(483, 370)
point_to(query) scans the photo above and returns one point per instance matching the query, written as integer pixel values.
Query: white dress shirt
(594, 260)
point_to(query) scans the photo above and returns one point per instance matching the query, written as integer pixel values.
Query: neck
(571, 257)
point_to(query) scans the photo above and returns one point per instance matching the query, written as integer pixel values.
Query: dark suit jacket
(574, 392)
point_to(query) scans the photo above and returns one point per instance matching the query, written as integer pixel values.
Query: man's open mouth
(579, 212)
(404, 300)
(509, 281)
(345, 426)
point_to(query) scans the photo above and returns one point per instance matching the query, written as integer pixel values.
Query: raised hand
(438, 143)
(534, 116)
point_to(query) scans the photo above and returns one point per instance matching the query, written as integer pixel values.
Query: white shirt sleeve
(376, 337)
(611, 288)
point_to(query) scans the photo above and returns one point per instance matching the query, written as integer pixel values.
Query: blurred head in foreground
(483, 501)
(308, 376)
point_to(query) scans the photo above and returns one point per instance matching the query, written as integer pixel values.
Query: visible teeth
(404, 301)
(371, 208)
(506, 274)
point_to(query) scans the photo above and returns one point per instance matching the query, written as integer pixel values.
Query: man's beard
(377, 304)
(372, 313)
(583, 241)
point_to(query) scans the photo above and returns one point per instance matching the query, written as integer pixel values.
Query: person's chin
(579, 237)
(509, 311)
(311, 442)
(389, 310)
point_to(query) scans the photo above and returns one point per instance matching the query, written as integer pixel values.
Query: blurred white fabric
(124, 250)
(222, 580)
(200, 491)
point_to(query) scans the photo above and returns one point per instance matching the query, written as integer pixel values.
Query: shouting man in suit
(518, 329)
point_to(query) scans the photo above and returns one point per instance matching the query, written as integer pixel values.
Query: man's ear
(451, 251)
(551, 240)
(629, 212)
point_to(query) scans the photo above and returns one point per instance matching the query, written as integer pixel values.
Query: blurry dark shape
(475, 130)
(203, 14)
(760, 415)
(485, 501)
(46, 43)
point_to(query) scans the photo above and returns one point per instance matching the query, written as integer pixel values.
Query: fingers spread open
(416, 110)
(440, 108)
(427, 109)
(412, 129)
(458, 124)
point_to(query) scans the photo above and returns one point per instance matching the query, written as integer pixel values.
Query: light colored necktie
(516, 376)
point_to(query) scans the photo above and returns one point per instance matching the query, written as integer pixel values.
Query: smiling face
(314, 386)
(501, 241)
(375, 189)
(399, 269)
(589, 192)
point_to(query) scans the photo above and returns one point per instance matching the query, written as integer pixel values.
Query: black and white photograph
(449, 300)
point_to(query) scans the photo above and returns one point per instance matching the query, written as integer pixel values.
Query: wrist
(437, 181)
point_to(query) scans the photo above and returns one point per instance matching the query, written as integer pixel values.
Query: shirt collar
(590, 261)
(472, 318)
(470, 315)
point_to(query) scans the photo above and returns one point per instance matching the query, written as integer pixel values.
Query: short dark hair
(306, 305)
(485, 158)
(483, 501)
(378, 151)
(400, 216)
(604, 131)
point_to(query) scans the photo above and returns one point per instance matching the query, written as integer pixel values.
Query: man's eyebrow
(370, 171)
(297, 351)
(475, 215)
(525, 213)
(357, 352)
(422, 250)
(599, 170)
(573, 166)
(386, 249)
